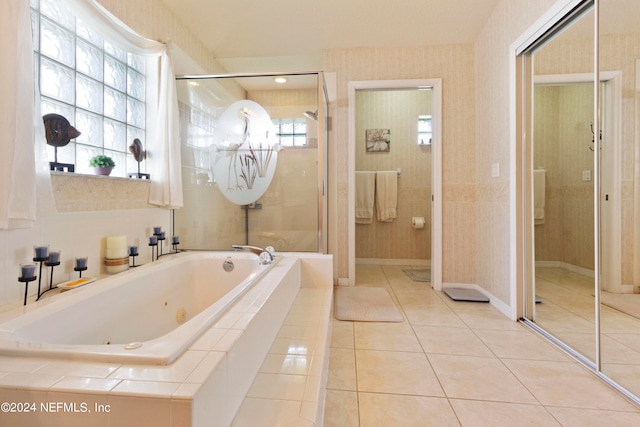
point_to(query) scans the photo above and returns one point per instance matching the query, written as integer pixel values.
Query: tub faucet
(266, 255)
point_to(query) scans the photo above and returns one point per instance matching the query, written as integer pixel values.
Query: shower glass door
(251, 162)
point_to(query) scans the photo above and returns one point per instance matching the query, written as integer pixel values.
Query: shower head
(312, 116)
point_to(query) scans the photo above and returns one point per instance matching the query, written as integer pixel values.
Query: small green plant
(101, 161)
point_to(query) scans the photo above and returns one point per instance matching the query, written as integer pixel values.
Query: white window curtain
(24, 175)
(17, 157)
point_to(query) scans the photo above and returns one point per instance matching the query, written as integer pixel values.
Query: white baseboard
(499, 305)
(386, 261)
(343, 281)
(566, 266)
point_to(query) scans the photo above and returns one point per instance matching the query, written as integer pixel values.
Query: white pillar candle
(117, 247)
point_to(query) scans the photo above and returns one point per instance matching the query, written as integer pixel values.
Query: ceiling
(287, 35)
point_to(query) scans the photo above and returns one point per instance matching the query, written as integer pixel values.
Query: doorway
(433, 199)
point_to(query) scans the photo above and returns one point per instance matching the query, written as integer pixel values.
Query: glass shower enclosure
(253, 161)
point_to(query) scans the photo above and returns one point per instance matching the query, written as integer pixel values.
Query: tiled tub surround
(203, 387)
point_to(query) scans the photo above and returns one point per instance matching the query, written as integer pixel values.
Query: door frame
(436, 169)
(610, 218)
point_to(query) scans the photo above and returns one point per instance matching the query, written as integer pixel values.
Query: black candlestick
(26, 281)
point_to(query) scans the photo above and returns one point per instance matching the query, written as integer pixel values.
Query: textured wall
(492, 98)
(563, 114)
(397, 111)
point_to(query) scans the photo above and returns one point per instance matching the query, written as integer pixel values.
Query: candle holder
(80, 265)
(41, 254)
(133, 253)
(27, 274)
(161, 240)
(52, 261)
(153, 242)
(175, 241)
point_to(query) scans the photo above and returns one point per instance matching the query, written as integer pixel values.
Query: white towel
(365, 193)
(387, 195)
(538, 195)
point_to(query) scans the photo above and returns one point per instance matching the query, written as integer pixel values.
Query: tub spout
(266, 255)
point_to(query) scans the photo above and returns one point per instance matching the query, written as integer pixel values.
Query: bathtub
(147, 315)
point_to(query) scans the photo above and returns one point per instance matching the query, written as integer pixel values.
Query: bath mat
(465, 294)
(419, 275)
(366, 304)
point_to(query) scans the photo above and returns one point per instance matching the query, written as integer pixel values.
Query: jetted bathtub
(149, 314)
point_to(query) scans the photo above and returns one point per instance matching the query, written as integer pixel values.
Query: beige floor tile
(483, 318)
(479, 378)
(410, 296)
(436, 339)
(473, 413)
(386, 410)
(572, 417)
(396, 372)
(341, 409)
(628, 376)
(342, 369)
(522, 344)
(386, 336)
(342, 334)
(566, 384)
(433, 316)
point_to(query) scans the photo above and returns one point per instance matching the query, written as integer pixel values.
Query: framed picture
(378, 140)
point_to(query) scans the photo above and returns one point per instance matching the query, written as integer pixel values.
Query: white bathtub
(150, 314)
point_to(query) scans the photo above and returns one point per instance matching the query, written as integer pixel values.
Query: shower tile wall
(397, 111)
(288, 219)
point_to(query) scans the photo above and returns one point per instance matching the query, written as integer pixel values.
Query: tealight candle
(27, 271)
(175, 240)
(81, 263)
(156, 230)
(153, 240)
(41, 252)
(161, 235)
(54, 257)
(133, 250)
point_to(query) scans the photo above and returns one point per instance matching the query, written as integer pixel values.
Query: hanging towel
(387, 195)
(538, 195)
(365, 193)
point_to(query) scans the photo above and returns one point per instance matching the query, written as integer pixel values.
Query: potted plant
(102, 165)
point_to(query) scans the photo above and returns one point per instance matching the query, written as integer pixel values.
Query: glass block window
(94, 84)
(425, 132)
(291, 132)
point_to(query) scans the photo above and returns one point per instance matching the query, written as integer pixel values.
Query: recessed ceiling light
(280, 79)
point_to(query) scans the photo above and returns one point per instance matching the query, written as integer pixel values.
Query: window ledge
(75, 192)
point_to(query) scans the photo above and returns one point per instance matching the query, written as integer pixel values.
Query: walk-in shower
(253, 168)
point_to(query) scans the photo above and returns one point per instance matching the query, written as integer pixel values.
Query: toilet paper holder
(418, 222)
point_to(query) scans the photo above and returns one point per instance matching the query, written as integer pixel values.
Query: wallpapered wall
(397, 111)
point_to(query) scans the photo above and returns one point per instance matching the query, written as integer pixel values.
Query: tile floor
(567, 311)
(457, 364)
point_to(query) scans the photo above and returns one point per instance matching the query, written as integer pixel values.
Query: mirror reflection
(579, 229)
(250, 162)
